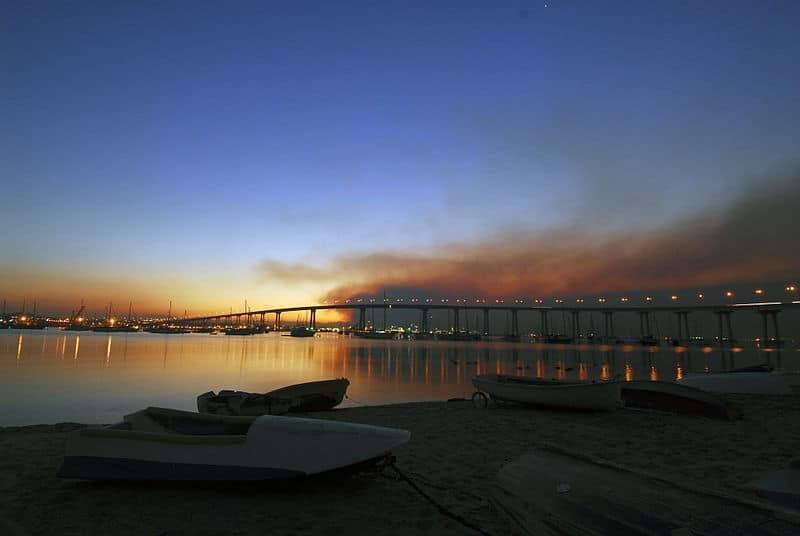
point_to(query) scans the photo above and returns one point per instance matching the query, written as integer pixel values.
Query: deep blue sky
(175, 144)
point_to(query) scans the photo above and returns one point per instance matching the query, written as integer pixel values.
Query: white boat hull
(588, 396)
(272, 447)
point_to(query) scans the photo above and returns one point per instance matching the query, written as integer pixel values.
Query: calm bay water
(54, 376)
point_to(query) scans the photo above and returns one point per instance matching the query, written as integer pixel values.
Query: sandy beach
(454, 455)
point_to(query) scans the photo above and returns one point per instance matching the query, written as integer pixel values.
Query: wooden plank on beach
(548, 492)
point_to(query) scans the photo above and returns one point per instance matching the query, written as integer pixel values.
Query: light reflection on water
(110, 375)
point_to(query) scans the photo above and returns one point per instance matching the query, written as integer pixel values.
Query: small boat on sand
(780, 487)
(747, 382)
(313, 396)
(229, 402)
(167, 444)
(580, 395)
(676, 398)
(302, 397)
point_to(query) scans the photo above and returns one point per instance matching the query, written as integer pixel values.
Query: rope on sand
(354, 401)
(442, 510)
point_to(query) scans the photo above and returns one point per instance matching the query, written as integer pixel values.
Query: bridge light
(648, 299)
(624, 299)
(791, 289)
(700, 296)
(759, 291)
(601, 300)
(729, 294)
(673, 297)
(579, 300)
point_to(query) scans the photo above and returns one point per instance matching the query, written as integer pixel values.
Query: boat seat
(141, 421)
(172, 438)
(173, 421)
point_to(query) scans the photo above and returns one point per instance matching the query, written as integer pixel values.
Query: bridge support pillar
(727, 319)
(608, 325)
(683, 320)
(486, 321)
(544, 324)
(514, 323)
(765, 340)
(775, 326)
(644, 324)
(456, 328)
(424, 325)
(576, 325)
(362, 318)
(313, 319)
(277, 320)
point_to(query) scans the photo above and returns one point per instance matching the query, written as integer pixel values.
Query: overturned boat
(676, 398)
(302, 397)
(580, 395)
(553, 491)
(167, 444)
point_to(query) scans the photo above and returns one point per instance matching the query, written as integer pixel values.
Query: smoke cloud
(751, 238)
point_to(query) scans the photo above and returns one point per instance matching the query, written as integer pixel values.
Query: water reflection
(150, 369)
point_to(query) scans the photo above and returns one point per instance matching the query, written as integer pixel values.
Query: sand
(454, 454)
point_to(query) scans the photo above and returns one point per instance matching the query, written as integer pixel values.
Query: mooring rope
(353, 400)
(442, 510)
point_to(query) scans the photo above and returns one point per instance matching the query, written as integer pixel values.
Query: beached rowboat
(308, 396)
(581, 395)
(551, 491)
(676, 398)
(313, 396)
(167, 444)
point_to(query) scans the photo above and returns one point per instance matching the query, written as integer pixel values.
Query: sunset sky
(286, 153)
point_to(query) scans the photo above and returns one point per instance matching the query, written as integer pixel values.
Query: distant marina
(467, 320)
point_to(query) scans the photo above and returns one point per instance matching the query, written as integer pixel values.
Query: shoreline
(454, 455)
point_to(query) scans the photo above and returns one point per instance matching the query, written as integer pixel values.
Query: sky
(290, 153)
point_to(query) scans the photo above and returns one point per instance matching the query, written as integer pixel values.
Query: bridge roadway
(767, 310)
